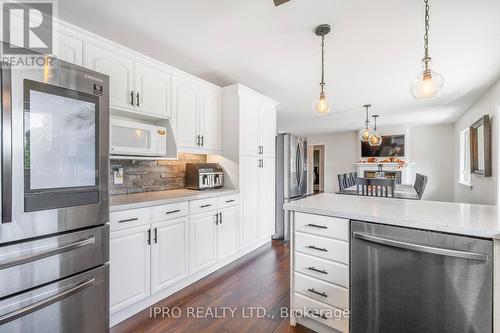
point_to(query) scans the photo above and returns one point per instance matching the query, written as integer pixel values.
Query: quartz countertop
(458, 218)
(148, 199)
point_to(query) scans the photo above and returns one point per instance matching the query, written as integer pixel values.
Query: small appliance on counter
(201, 176)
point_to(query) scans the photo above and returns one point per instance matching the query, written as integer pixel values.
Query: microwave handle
(6, 158)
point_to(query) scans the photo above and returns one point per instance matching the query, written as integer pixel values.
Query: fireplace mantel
(406, 174)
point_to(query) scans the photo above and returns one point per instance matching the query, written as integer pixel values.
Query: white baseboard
(131, 310)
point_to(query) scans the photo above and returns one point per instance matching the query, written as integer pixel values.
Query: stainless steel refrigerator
(291, 177)
(54, 244)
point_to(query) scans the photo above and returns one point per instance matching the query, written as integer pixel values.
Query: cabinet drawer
(322, 269)
(129, 218)
(314, 310)
(322, 291)
(326, 248)
(326, 226)
(229, 200)
(202, 205)
(169, 212)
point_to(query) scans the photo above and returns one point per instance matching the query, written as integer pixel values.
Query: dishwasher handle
(421, 248)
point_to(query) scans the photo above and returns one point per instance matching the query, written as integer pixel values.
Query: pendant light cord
(427, 58)
(322, 84)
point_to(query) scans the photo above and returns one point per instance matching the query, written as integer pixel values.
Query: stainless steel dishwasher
(415, 281)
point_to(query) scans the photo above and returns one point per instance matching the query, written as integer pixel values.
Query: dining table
(401, 191)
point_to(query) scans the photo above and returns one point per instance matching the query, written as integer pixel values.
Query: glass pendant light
(367, 132)
(375, 139)
(322, 105)
(428, 83)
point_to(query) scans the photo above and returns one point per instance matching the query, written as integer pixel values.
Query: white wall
(484, 189)
(432, 151)
(340, 155)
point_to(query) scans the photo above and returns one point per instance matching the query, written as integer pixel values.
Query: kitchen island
(386, 263)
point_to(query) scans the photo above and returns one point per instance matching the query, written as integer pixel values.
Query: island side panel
(496, 286)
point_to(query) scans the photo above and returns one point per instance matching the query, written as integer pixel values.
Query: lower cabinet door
(250, 214)
(267, 198)
(169, 253)
(129, 259)
(227, 232)
(202, 240)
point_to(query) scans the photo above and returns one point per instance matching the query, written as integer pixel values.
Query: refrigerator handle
(300, 165)
(6, 158)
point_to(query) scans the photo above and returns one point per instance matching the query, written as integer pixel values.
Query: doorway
(316, 168)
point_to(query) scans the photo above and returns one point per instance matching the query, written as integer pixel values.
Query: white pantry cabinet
(129, 258)
(197, 113)
(267, 195)
(249, 201)
(169, 253)
(203, 240)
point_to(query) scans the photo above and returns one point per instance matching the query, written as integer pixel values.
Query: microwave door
(55, 176)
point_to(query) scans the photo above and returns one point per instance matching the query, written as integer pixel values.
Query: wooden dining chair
(376, 187)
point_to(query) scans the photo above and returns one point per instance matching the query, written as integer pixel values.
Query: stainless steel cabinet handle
(322, 271)
(132, 97)
(46, 302)
(202, 140)
(137, 102)
(149, 237)
(220, 218)
(317, 248)
(205, 206)
(317, 226)
(421, 248)
(317, 292)
(6, 130)
(316, 314)
(47, 252)
(173, 211)
(197, 140)
(128, 220)
(217, 219)
(228, 201)
(156, 236)
(262, 150)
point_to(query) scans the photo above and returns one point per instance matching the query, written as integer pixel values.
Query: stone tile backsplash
(146, 176)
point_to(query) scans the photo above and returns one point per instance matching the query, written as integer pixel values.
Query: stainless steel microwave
(132, 138)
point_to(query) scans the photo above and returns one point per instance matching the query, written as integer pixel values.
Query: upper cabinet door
(120, 72)
(268, 130)
(249, 125)
(185, 110)
(69, 48)
(210, 119)
(152, 90)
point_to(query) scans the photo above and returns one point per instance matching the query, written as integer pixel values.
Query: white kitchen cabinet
(185, 110)
(267, 197)
(227, 232)
(151, 89)
(69, 48)
(197, 113)
(202, 241)
(129, 258)
(249, 201)
(268, 130)
(120, 70)
(210, 119)
(169, 253)
(249, 125)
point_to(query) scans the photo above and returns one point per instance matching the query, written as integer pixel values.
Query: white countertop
(148, 199)
(458, 218)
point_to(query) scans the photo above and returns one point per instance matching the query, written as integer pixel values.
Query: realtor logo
(27, 27)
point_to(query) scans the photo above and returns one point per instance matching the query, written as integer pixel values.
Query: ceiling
(372, 54)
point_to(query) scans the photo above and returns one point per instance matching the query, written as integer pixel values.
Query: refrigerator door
(295, 166)
(54, 150)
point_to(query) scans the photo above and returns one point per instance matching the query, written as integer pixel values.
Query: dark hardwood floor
(260, 279)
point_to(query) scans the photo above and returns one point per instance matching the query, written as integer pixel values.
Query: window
(465, 157)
